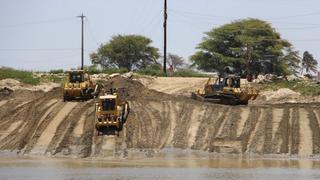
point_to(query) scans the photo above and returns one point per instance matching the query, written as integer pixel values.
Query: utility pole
(82, 17)
(165, 38)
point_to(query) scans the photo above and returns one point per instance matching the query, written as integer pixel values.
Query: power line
(295, 23)
(201, 14)
(228, 17)
(182, 18)
(150, 24)
(91, 33)
(195, 21)
(43, 49)
(154, 25)
(211, 17)
(299, 15)
(38, 22)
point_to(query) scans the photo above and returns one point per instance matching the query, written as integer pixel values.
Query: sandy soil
(176, 85)
(40, 123)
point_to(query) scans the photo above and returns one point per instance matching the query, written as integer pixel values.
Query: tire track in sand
(63, 141)
(85, 145)
(195, 121)
(3, 102)
(41, 124)
(314, 125)
(249, 127)
(257, 137)
(206, 123)
(13, 126)
(214, 130)
(171, 109)
(305, 146)
(295, 131)
(243, 118)
(46, 137)
(280, 131)
(29, 113)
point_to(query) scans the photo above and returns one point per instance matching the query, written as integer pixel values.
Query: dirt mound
(13, 85)
(174, 85)
(135, 89)
(40, 123)
(10, 83)
(279, 96)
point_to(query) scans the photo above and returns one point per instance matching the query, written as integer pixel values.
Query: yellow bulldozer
(225, 90)
(111, 111)
(78, 85)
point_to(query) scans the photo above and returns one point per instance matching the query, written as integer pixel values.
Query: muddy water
(190, 166)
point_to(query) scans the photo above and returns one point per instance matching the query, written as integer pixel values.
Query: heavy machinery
(111, 111)
(225, 90)
(78, 85)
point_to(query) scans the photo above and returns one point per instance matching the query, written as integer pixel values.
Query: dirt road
(39, 123)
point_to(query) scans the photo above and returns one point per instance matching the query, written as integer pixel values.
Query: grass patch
(188, 73)
(303, 87)
(95, 70)
(22, 76)
(55, 79)
(150, 72)
(56, 71)
(114, 70)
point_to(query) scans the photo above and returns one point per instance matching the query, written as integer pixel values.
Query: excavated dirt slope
(37, 123)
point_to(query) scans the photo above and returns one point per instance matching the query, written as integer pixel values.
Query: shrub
(114, 70)
(56, 71)
(153, 70)
(305, 88)
(22, 76)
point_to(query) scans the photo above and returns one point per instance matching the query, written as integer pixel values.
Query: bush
(22, 76)
(93, 70)
(305, 88)
(114, 70)
(153, 70)
(55, 79)
(56, 71)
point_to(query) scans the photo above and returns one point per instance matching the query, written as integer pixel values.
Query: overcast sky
(45, 34)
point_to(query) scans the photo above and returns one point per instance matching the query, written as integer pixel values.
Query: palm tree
(309, 63)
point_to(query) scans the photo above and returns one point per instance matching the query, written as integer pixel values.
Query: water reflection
(190, 166)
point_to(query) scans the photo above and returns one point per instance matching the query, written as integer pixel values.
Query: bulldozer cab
(219, 83)
(77, 76)
(108, 103)
(231, 81)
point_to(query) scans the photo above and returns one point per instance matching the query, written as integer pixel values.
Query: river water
(185, 167)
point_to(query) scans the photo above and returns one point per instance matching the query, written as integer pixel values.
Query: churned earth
(40, 123)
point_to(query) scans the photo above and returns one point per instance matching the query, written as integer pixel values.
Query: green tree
(248, 45)
(309, 63)
(175, 60)
(292, 61)
(128, 51)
